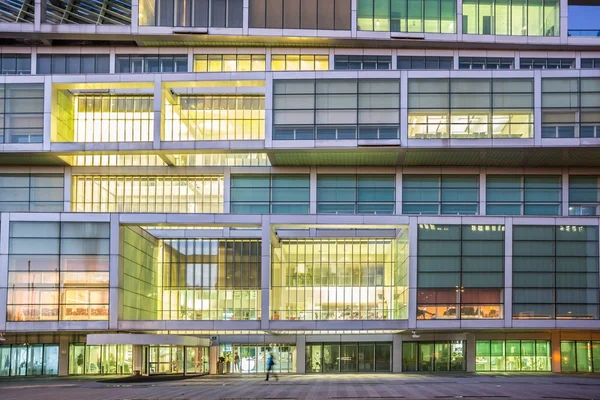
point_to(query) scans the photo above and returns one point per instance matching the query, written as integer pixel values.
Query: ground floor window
(446, 355)
(28, 360)
(100, 359)
(252, 358)
(178, 360)
(348, 357)
(580, 356)
(512, 355)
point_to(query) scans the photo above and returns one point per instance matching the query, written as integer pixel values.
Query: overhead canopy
(147, 339)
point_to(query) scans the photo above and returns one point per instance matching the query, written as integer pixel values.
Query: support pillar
(470, 352)
(137, 355)
(397, 353)
(555, 345)
(63, 356)
(213, 358)
(301, 354)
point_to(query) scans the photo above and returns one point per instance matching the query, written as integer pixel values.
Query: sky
(581, 17)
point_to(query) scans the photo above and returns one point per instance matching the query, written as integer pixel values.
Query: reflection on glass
(433, 356)
(348, 357)
(252, 358)
(100, 359)
(29, 360)
(512, 355)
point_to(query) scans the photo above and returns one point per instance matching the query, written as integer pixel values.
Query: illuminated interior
(340, 279)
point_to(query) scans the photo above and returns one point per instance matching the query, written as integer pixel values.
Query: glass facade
(300, 14)
(215, 117)
(210, 279)
(363, 62)
(460, 272)
(580, 356)
(440, 194)
(340, 279)
(15, 64)
(25, 192)
(336, 109)
(555, 272)
(570, 107)
(21, 112)
(58, 271)
(511, 17)
(448, 355)
(486, 63)
(28, 359)
(425, 62)
(199, 13)
(523, 195)
(429, 16)
(348, 357)
(547, 63)
(512, 355)
(252, 358)
(138, 63)
(355, 194)
(109, 119)
(299, 62)
(177, 360)
(584, 195)
(270, 194)
(100, 359)
(73, 64)
(229, 62)
(470, 108)
(172, 194)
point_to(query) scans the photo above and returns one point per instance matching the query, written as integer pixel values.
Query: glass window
(363, 62)
(233, 62)
(433, 356)
(527, 195)
(15, 64)
(150, 63)
(29, 359)
(100, 360)
(350, 194)
(584, 193)
(429, 16)
(31, 193)
(472, 256)
(512, 355)
(347, 287)
(224, 13)
(435, 194)
(72, 64)
(542, 255)
(214, 117)
(63, 277)
(425, 62)
(270, 194)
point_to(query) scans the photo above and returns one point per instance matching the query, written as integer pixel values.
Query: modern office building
(355, 185)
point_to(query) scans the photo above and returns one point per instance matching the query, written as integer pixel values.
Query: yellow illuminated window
(172, 194)
(229, 62)
(295, 62)
(215, 118)
(106, 118)
(114, 160)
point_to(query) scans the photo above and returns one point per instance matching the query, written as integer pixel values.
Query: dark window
(590, 63)
(15, 64)
(485, 63)
(425, 62)
(73, 64)
(363, 62)
(300, 14)
(153, 64)
(182, 13)
(547, 63)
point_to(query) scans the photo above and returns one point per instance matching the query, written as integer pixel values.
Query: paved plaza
(314, 387)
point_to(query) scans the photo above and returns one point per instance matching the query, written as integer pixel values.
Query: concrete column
(137, 355)
(459, 23)
(565, 192)
(508, 239)
(4, 236)
(412, 272)
(158, 111)
(397, 353)
(470, 352)
(135, 19)
(227, 191)
(115, 274)
(47, 129)
(213, 358)
(67, 190)
(63, 356)
(564, 20)
(398, 198)
(354, 26)
(482, 192)
(403, 108)
(537, 108)
(313, 191)
(38, 10)
(268, 104)
(245, 17)
(301, 354)
(555, 344)
(265, 287)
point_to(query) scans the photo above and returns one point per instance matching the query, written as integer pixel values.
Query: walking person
(270, 364)
(236, 363)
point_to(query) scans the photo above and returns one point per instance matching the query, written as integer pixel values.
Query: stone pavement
(314, 387)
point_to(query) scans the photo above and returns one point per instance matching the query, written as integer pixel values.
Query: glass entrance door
(348, 359)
